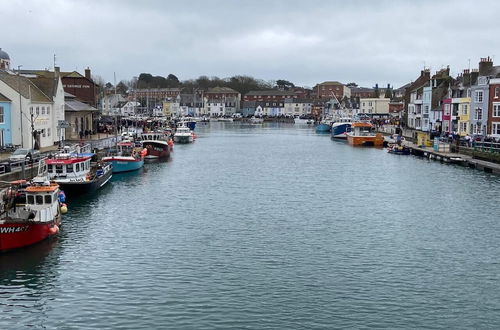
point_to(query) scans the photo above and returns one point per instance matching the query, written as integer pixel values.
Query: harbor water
(268, 227)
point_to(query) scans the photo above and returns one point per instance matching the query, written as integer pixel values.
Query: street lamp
(20, 102)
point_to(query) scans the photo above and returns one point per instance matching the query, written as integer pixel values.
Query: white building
(379, 106)
(36, 108)
(297, 107)
(110, 104)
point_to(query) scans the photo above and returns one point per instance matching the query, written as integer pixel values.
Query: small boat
(76, 172)
(399, 150)
(183, 135)
(128, 158)
(325, 126)
(256, 120)
(341, 128)
(159, 145)
(363, 134)
(30, 211)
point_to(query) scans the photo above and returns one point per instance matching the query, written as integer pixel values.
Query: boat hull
(122, 165)
(15, 235)
(366, 141)
(340, 131)
(323, 128)
(83, 187)
(156, 149)
(183, 138)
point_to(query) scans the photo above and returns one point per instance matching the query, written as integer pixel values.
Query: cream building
(374, 106)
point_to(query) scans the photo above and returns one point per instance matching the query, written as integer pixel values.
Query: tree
(122, 88)
(376, 92)
(352, 84)
(284, 84)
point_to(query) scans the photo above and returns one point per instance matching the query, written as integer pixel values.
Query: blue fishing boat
(127, 159)
(340, 129)
(323, 127)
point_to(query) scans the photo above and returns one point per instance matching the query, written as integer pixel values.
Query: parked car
(24, 154)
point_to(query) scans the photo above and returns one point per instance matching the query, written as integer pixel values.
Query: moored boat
(399, 150)
(340, 129)
(128, 158)
(363, 134)
(30, 212)
(76, 173)
(323, 127)
(183, 135)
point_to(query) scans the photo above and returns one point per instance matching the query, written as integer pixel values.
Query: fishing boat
(325, 126)
(363, 134)
(30, 211)
(183, 135)
(256, 120)
(159, 145)
(77, 173)
(341, 127)
(128, 158)
(399, 150)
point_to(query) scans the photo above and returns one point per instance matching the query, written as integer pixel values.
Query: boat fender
(64, 208)
(54, 230)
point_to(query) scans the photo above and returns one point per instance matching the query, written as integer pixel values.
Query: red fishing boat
(30, 212)
(158, 145)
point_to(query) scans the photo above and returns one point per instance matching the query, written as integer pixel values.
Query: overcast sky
(305, 42)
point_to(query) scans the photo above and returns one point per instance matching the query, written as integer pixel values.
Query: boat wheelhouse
(183, 135)
(363, 134)
(128, 157)
(30, 212)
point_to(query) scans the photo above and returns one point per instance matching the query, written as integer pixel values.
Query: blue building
(5, 128)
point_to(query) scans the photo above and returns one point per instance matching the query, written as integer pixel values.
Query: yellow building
(464, 116)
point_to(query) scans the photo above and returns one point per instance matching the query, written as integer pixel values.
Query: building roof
(291, 100)
(4, 55)
(331, 83)
(25, 87)
(216, 90)
(72, 105)
(4, 98)
(271, 92)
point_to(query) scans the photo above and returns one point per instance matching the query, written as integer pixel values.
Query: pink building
(446, 126)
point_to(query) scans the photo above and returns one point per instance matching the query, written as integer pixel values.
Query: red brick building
(327, 88)
(219, 93)
(83, 87)
(157, 93)
(494, 108)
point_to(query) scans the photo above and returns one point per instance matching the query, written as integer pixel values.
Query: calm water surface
(268, 227)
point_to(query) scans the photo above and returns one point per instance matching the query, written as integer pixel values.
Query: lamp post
(20, 102)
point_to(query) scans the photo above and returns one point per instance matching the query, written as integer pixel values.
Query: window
(464, 109)
(478, 114)
(43, 132)
(37, 111)
(43, 110)
(69, 168)
(49, 168)
(48, 131)
(48, 199)
(1, 115)
(77, 167)
(446, 109)
(48, 110)
(59, 169)
(496, 109)
(495, 128)
(478, 96)
(31, 199)
(39, 199)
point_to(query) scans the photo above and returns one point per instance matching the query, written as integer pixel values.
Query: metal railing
(486, 146)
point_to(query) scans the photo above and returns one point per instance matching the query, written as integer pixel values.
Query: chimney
(473, 76)
(87, 73)
(57, 71)
(485, 66)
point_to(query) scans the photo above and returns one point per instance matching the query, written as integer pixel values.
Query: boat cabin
(362, 129)
(44, 200)
(154, 136)
(71, 166)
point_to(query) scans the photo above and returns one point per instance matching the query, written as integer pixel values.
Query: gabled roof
(72, 105)
(221, 90)
(25, 87)
(47, 85)
(4, 98)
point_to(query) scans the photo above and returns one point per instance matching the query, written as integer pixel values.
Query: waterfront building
(222, 101)
(327, 88)
(248, 108)
(480, 97)
(79, 115)
(128, 108)
(374, 106)
(5, 121)
(154, 97)
(272, 95)
(297, 107)
(111, 104)
(37, 105)
(413, 101)
(362, 92)
(494, 107)
(169, 108)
